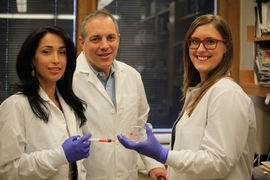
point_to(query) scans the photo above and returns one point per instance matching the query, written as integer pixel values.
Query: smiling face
(101, 43)
(50, 60)
(206, 60)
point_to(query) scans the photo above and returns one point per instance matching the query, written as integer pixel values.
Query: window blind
(15, 26)
(152, 39)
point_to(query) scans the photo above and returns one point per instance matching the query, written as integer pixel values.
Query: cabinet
(247, 76)
(151, 49)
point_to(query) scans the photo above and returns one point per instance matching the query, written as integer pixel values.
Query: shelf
(166, 10)
(194, 15)
(248, 85)
(251, 35)
(160, 41)
(179, 43)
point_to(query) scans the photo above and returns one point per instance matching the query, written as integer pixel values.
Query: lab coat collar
(191, 91)
(83, 67)
(97, 73)
(67, 110)
(43, 94)
(119, 75)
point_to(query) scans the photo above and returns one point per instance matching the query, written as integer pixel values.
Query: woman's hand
(150, 147)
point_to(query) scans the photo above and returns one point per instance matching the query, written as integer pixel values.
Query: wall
(246, 62)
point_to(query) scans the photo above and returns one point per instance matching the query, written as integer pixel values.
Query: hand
(158, 173)
(150, 147)
(161, 178)
(77, 148)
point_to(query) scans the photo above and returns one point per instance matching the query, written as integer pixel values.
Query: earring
(33, 71)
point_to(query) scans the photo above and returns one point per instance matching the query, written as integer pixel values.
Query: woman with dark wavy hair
(40, 124)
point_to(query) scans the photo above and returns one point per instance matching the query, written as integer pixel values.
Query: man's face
(101, 43)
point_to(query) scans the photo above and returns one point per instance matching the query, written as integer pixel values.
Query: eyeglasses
(209, 44)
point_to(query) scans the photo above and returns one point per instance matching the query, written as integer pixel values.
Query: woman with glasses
(214, 136)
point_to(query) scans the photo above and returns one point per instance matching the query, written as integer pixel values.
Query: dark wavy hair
(29, 85)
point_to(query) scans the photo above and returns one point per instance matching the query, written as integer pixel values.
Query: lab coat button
(112, 111)
(119, 174)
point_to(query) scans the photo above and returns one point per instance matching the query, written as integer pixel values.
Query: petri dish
(135, 133)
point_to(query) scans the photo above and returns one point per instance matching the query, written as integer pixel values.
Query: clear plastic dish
(135, 133)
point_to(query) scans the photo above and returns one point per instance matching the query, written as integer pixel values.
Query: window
(17, 20)
(152, 37)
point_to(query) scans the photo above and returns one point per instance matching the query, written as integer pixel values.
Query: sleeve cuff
(57, 157)
(163, 155)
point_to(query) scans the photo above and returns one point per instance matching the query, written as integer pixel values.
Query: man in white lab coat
(115, 97)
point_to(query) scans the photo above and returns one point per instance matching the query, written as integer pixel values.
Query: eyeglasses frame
(202, 41)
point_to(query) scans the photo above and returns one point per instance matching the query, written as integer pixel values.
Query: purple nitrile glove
(150, 147)
(77, 148)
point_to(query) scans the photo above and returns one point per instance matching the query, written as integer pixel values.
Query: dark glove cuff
(163, 155)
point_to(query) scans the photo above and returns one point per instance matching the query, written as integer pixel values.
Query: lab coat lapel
(56, 126)
(120, 77)
(69, 116)
(92, 78)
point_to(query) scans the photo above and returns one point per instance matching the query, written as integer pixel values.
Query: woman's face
(203, 59)
(50, 59)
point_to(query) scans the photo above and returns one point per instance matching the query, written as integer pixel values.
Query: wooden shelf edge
(248, 85)
(251, 35)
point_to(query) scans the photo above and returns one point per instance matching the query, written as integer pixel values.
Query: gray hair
(93, 15)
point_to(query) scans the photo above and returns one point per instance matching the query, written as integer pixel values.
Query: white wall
(246, 62)
(247, 18)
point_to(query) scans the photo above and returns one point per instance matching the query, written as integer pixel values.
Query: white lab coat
(30, 149)
(218, 140)
(111, 161)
